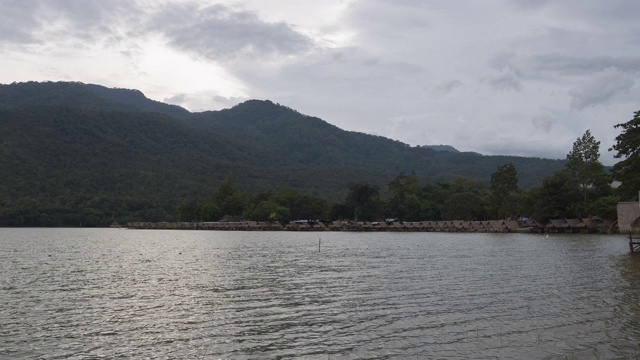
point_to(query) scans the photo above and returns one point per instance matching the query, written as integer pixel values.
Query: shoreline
(574, 226)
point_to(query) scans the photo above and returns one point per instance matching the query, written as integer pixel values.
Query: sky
(498, 77)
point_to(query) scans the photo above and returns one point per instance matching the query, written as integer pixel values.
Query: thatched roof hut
(557, 225)
(498, 225)
(629, 217)
(512, 225)
(478, 226)
(577, 225)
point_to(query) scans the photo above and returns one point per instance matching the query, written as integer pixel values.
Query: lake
(116, 293)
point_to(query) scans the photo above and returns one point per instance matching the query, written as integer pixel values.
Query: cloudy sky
(496, 77)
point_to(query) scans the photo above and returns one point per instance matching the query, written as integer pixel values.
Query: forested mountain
(68, 146)
(310, 141)
(441, 148)
(82, 96)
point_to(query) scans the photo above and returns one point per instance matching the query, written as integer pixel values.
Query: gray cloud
(450, 86)
(578, 65)
(507, 80)
(17, 23)
(40, 21)
(175, 99)
(544, 122)
(226, 102)
(601, 88)
(219, 32)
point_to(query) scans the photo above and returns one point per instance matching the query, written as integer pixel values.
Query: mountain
(82, 96)
(310, 142)
(66, 146)
(448, 148)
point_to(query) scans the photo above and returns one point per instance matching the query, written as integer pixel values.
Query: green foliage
(627, 147)
(558, 196)
(209, 211)
(584, 164)
(269, 211)
(404, 203)
(604, 207)
(504, 183)
(364, 199)
(189, 210)
(464, 206)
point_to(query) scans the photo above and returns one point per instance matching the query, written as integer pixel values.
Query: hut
(557, 226)
(512, 226)
(532, 225)
(595, 225)
(437, 226)
(629, 217)
(498, 226)
(421, 226)
(577, 226)
(379, 226)
(478, 226)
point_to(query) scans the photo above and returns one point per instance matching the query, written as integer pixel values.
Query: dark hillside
(310, 141)
(136, 165)
(82, 96)
(306, 140)
(136, 101)
(50, 94)
(61, 158)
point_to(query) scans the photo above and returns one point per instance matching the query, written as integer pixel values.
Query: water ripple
(108, 294)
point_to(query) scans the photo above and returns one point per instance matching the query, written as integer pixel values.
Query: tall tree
(403, 191)
(364, 199)
(628, 148)
(228, 198)
(583, 162)
(464, 206)
(504, 183)
(557, 197)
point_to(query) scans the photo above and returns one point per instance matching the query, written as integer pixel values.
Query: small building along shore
(588, 225)
(629, 217)
(629, 223)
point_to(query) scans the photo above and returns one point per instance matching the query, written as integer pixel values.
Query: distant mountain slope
(74, 142)
(309, 141)
(306, 140)
(448, 148)
(109, 152)
(83, 96)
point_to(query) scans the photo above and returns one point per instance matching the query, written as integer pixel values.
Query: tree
(210, 212)
(463, 206)
(628, 148)
(364, 199)
(584, 164)
(557, 197)
(403, 192)
(225, 190)
(269, 211)
(189, 210)
(504, 182)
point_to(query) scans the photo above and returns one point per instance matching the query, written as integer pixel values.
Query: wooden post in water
(319, 240)
(634, 246)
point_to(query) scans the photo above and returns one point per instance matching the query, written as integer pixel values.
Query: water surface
(113, 293)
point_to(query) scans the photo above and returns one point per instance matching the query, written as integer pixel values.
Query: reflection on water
(108, 293)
